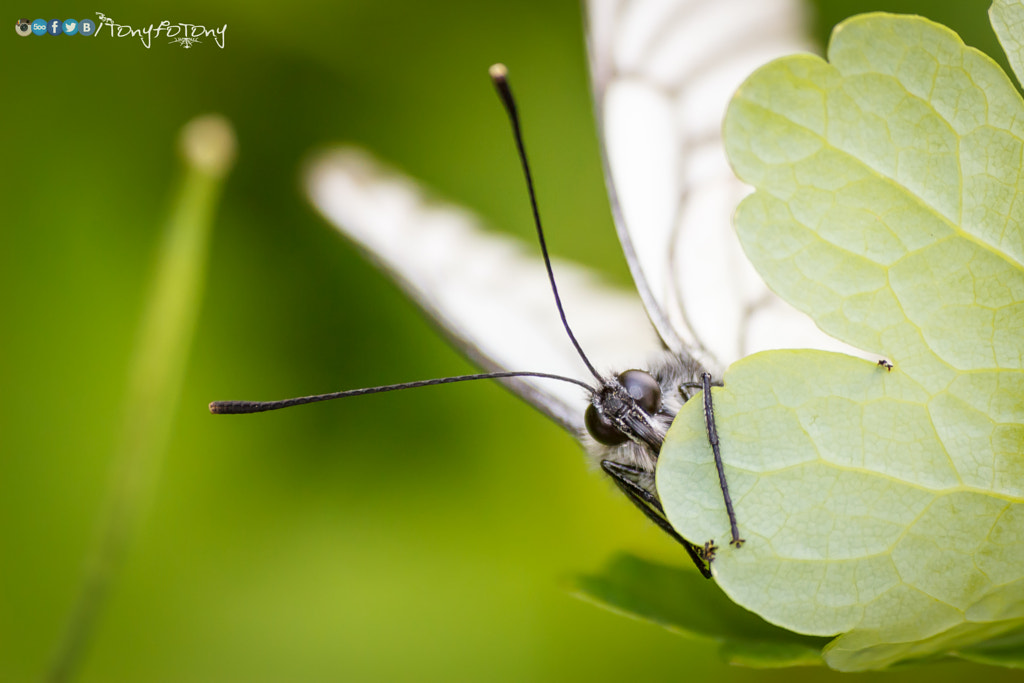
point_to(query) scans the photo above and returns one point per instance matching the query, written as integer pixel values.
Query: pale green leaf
(1008, 21)
(887, 507)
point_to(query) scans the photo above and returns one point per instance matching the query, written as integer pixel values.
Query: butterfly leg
(649, 504)
(686, 389)
(709, 422)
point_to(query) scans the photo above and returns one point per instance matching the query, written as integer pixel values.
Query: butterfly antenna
(499, 75)
(243, 407)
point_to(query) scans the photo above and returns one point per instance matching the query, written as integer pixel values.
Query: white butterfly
(663, 72)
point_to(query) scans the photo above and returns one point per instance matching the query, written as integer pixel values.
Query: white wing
(663, 72)
(488, 293)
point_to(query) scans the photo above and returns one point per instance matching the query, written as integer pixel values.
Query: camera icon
(23, 27)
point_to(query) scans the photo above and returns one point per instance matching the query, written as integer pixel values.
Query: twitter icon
(70, 27)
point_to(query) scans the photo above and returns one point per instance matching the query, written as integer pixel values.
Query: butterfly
(662, 74)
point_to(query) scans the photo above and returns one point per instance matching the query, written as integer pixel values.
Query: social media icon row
(55, 27)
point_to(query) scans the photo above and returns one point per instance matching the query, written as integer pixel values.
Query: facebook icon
(53, 27)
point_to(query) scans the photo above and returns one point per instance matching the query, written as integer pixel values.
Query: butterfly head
(629, 414)
(623, 408)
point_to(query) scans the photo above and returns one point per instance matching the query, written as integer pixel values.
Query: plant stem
(155, 380)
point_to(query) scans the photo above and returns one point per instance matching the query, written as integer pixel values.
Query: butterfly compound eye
(644, 389)
(601, 429)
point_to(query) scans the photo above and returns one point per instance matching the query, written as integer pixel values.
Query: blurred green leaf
(881, 506)
(686, 603)
(1005, 651)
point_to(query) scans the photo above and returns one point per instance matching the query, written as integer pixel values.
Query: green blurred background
(426, 535)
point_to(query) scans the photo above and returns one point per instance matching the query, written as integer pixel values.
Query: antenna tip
(215, 407)
(498, 72)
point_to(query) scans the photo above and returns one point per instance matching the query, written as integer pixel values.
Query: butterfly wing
(487, 292)
(663, 72)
